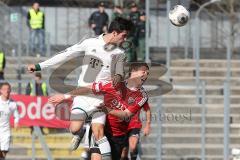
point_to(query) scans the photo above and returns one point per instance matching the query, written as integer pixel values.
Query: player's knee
(133, 141)
(132, 148)
(98, 131)
(75, 126)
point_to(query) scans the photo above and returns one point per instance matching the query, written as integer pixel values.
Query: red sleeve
(97, 88)
(146, 106)
(102, 88)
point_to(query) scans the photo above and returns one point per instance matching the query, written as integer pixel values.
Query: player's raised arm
(95, 88)
(63, 56)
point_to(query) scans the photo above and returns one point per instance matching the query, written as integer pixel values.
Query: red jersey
(135, 121)
(120, 98)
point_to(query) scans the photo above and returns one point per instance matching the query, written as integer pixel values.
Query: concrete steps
(58, 144)
(191, 138)
(210, 63)
(185, 149)
(191, 99)
(183, 138)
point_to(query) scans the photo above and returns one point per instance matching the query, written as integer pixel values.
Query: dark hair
(118, 6)
(136, 65)
(4, 84)
(119, 25)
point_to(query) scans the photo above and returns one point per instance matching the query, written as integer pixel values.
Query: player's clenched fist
(31, 68)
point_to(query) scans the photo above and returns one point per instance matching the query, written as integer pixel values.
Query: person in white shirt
(103, 61)
(7, 108)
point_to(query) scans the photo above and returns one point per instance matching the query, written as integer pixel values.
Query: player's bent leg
(76, 124)
(77, 118)
(134, 135)
(124, 155)
(78, 132)
(75, 127)
(98, 121)
(98, 130)
(133, 141)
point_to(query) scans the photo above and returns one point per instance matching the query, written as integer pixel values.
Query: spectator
(40, 87)
(134, 16)
(98, 20)
(117, 12)
(2, 64)
(141, 37)
(40, 90)
(35, 22)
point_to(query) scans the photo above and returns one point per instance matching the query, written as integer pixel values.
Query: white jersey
(98, 64)
(7, 108)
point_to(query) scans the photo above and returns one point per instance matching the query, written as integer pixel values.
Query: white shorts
(5, 142)
(86, 106)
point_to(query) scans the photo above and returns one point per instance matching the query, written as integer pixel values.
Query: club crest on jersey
(119, 92)
(130, 100)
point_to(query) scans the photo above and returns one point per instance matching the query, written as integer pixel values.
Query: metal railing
(37, 134)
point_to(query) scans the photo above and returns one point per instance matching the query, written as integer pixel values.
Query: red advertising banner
(36, 111)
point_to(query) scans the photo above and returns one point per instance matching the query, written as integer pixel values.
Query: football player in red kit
(120, 102)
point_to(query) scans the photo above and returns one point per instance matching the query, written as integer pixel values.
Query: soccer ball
(179, 15)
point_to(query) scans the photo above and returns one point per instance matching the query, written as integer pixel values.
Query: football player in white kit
(7, 108)
(103, 58)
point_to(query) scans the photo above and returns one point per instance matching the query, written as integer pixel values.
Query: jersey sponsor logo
(94, 63)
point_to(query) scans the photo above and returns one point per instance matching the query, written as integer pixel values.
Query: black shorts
(134, 132)
(117, 144)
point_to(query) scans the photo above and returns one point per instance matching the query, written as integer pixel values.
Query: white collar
(7, 101)
(101, 38)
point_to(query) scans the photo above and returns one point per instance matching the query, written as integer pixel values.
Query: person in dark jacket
(134, 16)
(118, 12)
(141, 31)
(98, 20)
